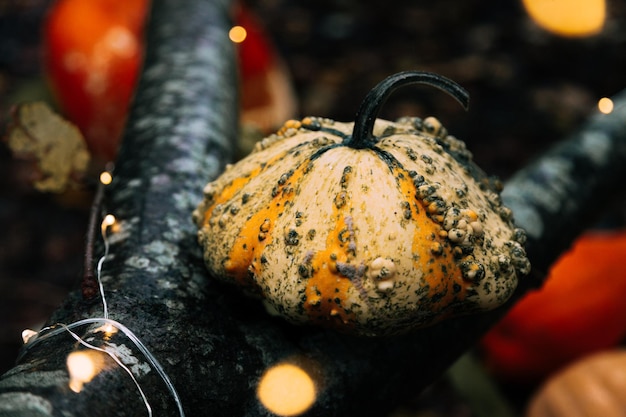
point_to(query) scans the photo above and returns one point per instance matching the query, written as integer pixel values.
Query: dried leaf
(54, 144)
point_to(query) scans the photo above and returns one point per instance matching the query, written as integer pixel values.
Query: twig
(89, 284)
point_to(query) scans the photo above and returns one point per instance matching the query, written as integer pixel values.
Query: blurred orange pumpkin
(592, 386)
(579, 310)
(92, 56)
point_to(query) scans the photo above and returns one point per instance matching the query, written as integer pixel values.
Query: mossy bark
(213, 342)
(571, 186)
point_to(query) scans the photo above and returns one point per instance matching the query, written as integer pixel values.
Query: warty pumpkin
(371, 227)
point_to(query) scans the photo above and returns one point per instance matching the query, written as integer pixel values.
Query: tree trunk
(213, 342)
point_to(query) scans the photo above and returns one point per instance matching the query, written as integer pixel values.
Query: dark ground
(528, 89)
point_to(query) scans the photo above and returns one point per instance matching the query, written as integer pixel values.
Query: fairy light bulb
(83, 366)
(237, 34)
(106, 178)
(286, 390)
(28, 334)
(109, 220)
(108, 329)
(605, 105)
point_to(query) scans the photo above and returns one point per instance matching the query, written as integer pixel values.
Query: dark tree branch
(89, 283)
(213, 342)
(571, 185)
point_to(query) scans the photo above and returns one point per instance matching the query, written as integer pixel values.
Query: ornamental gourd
(372, 227)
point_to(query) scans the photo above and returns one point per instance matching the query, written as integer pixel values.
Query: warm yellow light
(575, 18)
(28, 334)
(106, 178)
(286, 390)
(108, 329)
(83, 366)
(605, 105)
(109, 220)
(237, 34)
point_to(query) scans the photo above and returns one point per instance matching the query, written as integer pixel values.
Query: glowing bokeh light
(28, 334)
(605, 105)
(109, 220)
(108, 329)
(109, 223)
(237, 34)
(83, 366)
(121, 41)
(571, 18)
(106, 178)
(286, 390)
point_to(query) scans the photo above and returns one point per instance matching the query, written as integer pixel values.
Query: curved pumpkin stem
(363, 131)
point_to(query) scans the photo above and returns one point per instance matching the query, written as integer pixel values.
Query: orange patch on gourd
(238, 183)
(246, 251)
(440, 270)
(229, 191)
(327, 284)
(244, 257)
(327, 289)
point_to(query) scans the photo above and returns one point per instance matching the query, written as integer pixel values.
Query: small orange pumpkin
(373, 228)
(593, 386)
(579, 309)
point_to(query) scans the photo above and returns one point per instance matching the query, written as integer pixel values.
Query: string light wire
(108, 220)
(116, 359)
(58, 328)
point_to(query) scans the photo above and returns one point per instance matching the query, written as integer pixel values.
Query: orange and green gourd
(372, 227)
